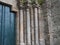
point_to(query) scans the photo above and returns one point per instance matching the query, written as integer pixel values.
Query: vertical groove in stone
(26, 28)
(34, 25)
(24, 23)
(39, 25)
(32, 28)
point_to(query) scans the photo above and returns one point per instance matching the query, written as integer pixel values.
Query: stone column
(21, 25)
(35, 24)
(28, 27)
(27, 8)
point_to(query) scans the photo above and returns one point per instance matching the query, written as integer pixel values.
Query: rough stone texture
(56, 21)
(53, 7)
(45, 20)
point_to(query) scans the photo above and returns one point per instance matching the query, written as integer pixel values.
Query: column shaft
(28, 27)
(21, 27)
(36, 26)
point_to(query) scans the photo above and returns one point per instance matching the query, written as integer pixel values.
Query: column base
(22, 44)
(42, 42)
(29, 44)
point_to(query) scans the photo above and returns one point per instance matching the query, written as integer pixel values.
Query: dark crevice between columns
(38, 25)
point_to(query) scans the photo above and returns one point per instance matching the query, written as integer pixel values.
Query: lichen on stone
(40, 2)
(33, 1)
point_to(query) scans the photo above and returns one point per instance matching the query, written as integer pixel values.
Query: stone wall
(11, 2)
(53, 13)
(45, 20)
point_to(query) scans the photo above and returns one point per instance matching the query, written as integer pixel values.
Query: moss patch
(33, 1)
(40, 2)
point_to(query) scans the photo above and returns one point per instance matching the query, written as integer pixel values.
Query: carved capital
(35, 5)
(21, 6)
(27, 4)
